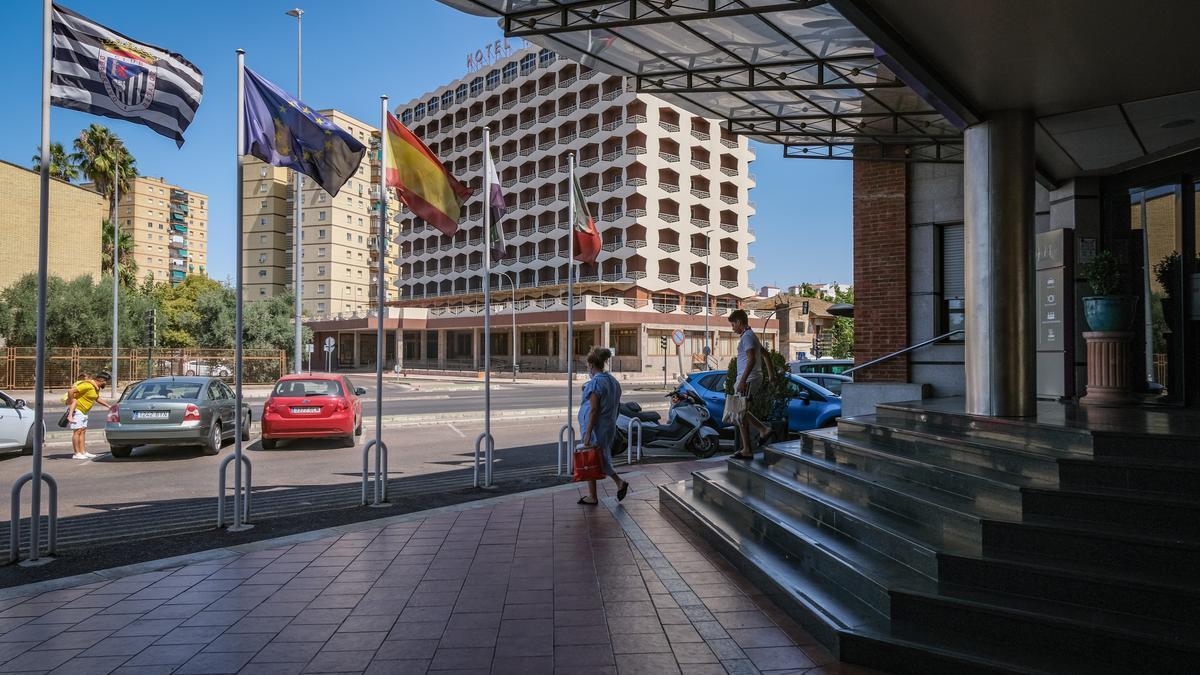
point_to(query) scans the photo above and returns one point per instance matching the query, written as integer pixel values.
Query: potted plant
(1106, 310)
(1167, 273)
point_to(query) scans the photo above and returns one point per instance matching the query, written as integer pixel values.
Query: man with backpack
(754, 374)
(79, 399)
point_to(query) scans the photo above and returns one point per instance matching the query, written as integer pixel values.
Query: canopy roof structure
(791, 72)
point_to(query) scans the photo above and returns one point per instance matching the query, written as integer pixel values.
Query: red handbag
(587, 465)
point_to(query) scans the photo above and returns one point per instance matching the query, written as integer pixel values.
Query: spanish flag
(423, 183)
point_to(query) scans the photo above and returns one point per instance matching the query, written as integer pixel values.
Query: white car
(206, 369)
(16, 425)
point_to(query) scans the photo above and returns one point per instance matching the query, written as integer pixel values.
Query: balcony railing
(528, 97)
(635, 213)
(588, 133)
(546, 118)
(637, 150)
(612, 246)
(669, 187)
(636, 119)
(729, 199)
(700, 164)
(700, 222)
(728, 171)
(729, 255)
(615, 185)
(636, 243)
(700, 135)
(701, 194)
(589, 103)
(729, 143)
(669, 217)
(610, 217)
(635, 182)
(729, 227)
(546, 173)
(699, 281)
(669, 248)
(563, 112)
(589, 191)
(699, 252)
(668, 156)
(610, 156)
(673, 128)
(729, 283)
(568, 138)
(568, 82)
(546, 146)
(589, 161)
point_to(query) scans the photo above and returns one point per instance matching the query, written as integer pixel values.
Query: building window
(800, 328)
(953, 285)
(432, 106)
(262, 274)
(460, 93)
(476, 86)
(349, 237)
(510, 72)
(320, 270)
(545, 57)
(528, 63)
(320, 215)
(419, 112)
(321, 233)
(406, 117)
(320, 307)
(447, 99)
(262, 204)
(263, 172)
(321, 252)
(320, 288)
(262, 238)
(625, 341)
(262, 257)
(262, 221)
(493, 79)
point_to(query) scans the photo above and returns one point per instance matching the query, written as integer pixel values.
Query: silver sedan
(174, 411)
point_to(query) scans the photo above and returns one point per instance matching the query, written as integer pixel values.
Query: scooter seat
(647, 416)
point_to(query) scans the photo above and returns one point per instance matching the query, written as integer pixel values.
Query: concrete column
(606, 334)
(998, 180)
(476, 351)
(399, 338)
(563, 349)
(357, 362)
(441, 349)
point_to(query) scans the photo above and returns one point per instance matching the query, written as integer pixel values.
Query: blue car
(810, 407)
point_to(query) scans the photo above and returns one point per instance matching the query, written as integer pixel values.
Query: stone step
(1116, 550)
(956, 517)
(1135, 474)
(929, 444)
(851, 629)
(908, 542)
(847, 566)
(1080, 585)
(945, 416)
(1138, 643)
(986, 486)
(806, 595)
(1166, 515)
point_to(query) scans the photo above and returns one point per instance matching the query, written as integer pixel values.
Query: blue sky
(356, 50)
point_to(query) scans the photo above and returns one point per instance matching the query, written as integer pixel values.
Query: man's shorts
(79, 420)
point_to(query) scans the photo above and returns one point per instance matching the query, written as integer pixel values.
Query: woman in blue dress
(598, 419)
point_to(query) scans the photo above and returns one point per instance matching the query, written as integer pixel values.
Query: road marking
(455, 430)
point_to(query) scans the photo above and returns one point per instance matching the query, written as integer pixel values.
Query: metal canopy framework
(794, 73)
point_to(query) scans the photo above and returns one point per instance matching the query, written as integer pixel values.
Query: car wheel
(704, 446)
(269, 443)
(120, 451)
(212, 445)
(246, 428)
(348, 441)
(27, 449)
(190, 372)
(358, 429)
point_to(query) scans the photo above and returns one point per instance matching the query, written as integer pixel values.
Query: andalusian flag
(497, 206)
(423, 183)
(587, 237)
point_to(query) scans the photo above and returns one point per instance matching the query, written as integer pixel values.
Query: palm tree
(129, 268)
(98, 151)
(61, 165)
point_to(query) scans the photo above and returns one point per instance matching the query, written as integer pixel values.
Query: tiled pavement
(524, 584)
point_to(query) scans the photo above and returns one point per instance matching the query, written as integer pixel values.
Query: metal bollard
(629, 445)
(566, 443)
(487, 470)
(14, 532)
(381, 473)
(221, 473)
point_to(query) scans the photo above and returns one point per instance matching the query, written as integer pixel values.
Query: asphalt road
(431, 397)
(430, 434)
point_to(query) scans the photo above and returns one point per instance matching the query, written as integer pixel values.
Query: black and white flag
(100, 71)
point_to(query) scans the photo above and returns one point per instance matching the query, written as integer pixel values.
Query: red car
(312, 405)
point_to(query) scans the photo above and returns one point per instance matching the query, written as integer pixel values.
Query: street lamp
(297, 266)
(708, 350)
(513, 286)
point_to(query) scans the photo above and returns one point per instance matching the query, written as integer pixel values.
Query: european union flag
(282, 131)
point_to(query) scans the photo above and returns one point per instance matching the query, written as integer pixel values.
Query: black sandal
(623, 491)
(744, 458)
(585, 502)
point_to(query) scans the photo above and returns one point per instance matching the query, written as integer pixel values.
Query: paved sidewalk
(522, 584)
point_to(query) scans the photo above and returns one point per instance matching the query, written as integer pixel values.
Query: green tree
(61, 165)
(841, 346)
(98, 154)
(808, 291)
(268, 324)
(844, 295)
(128, 265)
(192, 313)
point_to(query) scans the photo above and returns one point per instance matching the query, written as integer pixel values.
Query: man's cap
(103, 375)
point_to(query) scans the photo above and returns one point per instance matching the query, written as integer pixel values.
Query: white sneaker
(83, 456)
(90, 455)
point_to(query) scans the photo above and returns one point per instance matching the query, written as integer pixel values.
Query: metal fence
(69, 364)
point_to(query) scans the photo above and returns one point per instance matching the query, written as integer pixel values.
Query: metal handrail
(906, 350)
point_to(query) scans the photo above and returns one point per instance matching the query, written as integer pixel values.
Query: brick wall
(880, 268)
(75, 217)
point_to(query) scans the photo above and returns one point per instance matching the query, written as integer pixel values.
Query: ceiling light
(1179, 123)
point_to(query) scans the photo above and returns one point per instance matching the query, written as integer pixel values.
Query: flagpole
(116, 265)
(381, 290)
(571, 312)
(487, 306)
(297, 204)
(238, 335)
(39, 372)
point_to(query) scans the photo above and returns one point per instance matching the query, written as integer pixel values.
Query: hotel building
(667, 189)
(337, 233)
(169, 225)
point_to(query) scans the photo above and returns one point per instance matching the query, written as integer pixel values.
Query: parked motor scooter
(685, 432)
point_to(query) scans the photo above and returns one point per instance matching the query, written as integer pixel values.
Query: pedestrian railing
(485, 457)
(380, 475)
(630, 446)
(566, 450)
(242, 488)
(35, 523)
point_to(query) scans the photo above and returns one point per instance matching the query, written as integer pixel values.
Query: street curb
(222, 553)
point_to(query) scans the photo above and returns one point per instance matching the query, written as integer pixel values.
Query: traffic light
(151, 325)
(662, 342)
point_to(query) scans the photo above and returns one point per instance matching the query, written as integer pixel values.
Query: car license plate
(305, 411)
(151, 415)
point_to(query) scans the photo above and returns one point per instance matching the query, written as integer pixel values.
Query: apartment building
(169, 225)
(337, 233)
(668, 190)
(76, 214)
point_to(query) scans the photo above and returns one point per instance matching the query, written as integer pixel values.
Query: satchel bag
(735, 407)
(64, 420)
(588, 465)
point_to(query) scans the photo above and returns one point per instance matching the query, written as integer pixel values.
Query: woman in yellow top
(80, 399)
